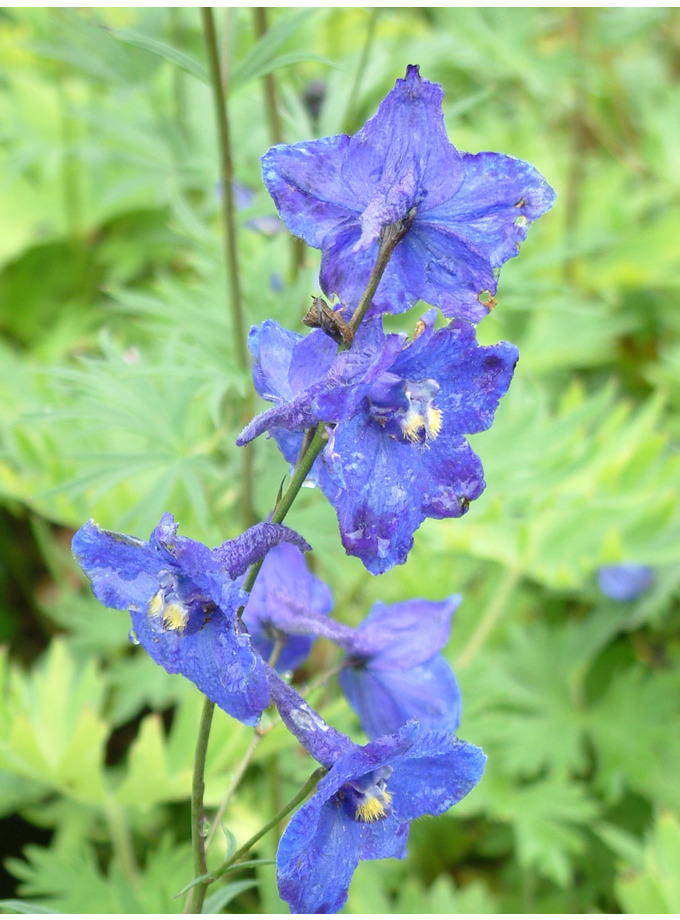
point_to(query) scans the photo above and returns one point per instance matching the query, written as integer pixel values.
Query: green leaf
(256, 71)
(532, 711)
(147, 778)
(52, 731)
(652, 884)
(637, 752)
(260, 59)
(218, 900)
(69, 876)
(27, 907)
(549, 819)
(161, 49)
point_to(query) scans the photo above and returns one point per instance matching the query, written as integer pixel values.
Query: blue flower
(472, 211)
(288, 370)
(362, 808)
(397, 413)
(395, 672)
(284, 595)
(183, 600)
(624, 582)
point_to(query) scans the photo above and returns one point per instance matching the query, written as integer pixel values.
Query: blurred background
(121, 396)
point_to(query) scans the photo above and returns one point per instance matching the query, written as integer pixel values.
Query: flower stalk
(196, 896)
(224, 867)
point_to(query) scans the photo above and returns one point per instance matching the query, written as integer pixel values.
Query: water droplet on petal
(132, 636)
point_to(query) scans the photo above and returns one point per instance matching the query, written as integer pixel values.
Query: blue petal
(473, 378)
(354, 371)
(435, 773)
(498, 199)
(272, 349)
(297, 414)
(317, 856)
(378, 508)
(312, 358)
(289, 370)
(385, 699)
(325, 744)
(284, 593)
(452, 476)
(456, 273)
(404, 634)
(249, 547)
(402, 156)
(294, 650)
(123, 570)
(221, 664)
(386, 839)
(304, 181)
(625, 582)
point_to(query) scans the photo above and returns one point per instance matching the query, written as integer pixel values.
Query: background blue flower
(626, 581)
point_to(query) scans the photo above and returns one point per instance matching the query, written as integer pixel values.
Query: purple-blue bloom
(183, 599)
(362, 808)
(285, 593)
(395, 670)
(288, 370)
(397, 413)
(624, 582)
(472, 211)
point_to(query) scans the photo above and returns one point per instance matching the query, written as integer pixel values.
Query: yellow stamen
(434, 422)
(175, 616)
(413, 426)
(156, 605)
(372, 809)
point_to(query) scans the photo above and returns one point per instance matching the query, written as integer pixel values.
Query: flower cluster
(191, 614)
(378, 420)
(396, 410)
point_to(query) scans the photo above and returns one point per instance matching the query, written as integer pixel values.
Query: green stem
(363, 61)
(122, 843)
(206, 879)
(233, 785)
(196, 897)
(297, 247)
(391, 236)
(268, 81)
(489, 619)
(247, 757)
(300, 473)
(227, 176)
(230, 249)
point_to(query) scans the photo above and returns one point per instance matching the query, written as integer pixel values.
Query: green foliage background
(121, 397)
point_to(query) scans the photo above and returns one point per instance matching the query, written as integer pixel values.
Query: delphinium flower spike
(363, 807)
(183, 600)
(470, 212)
